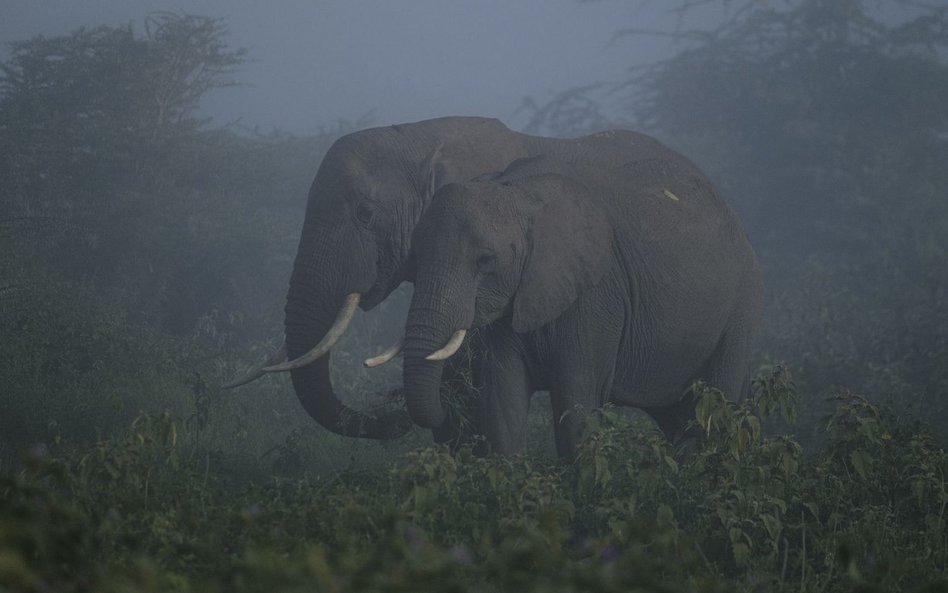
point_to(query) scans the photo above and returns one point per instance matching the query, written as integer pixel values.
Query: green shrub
(738, 510)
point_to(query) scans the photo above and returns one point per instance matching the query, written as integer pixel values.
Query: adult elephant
(370, 191)
(626, 288)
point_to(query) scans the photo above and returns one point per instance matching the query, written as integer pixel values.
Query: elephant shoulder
(550, 183)
(543, 168)
(620, 141)
(525, 167)
(457, 126)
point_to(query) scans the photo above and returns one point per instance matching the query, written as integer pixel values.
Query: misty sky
(316, 62)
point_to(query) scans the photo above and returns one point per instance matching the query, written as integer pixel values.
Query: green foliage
(139, 511)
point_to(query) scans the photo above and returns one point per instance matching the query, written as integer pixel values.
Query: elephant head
(350, 254)
(369, 192)
(497, 251)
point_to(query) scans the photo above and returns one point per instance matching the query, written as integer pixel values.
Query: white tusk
(346, 313)
(450, 348)
(386, 356)
(276, 358)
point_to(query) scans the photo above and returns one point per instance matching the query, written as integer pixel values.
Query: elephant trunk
(435, 316)
(311, 307)
(422, 378)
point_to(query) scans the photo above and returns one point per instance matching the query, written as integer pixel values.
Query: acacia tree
(88, 111)
(91, 124)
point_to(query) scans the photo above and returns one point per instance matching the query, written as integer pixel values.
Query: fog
(313, 63)
(152, 213)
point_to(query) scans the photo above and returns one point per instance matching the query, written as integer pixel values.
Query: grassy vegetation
(152, 510)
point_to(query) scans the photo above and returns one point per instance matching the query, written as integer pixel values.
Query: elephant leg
(728, 369)
(504, 399)
(571, 405)
(673, 420)
(579, 389)
(583, 367)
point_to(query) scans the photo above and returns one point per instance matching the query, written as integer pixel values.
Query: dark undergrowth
(742, 511)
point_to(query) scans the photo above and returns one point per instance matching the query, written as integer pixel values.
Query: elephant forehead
(490, 199)
(472, 231)
(357, 176)
(479, 211)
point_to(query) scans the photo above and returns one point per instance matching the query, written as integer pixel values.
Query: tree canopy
(133, 233)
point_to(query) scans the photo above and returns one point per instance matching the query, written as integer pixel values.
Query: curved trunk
(312, 303)
(422, 381)
(436, 313)
(314, 389)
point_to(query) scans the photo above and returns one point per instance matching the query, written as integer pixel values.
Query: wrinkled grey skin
(370, 191)
(625, 288)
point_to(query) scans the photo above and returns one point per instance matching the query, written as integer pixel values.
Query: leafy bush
(737, 511)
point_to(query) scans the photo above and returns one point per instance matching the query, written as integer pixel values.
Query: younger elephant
(626, 291)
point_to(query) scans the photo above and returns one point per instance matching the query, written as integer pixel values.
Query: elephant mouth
(367, 300)
(388, 278)
(375, 295)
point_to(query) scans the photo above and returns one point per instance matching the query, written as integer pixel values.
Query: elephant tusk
(450, 348)
(390, 353)
(346, 313)
(276, 358)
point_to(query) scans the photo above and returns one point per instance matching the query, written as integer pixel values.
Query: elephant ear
(569, 250)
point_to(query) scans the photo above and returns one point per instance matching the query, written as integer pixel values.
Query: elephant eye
(486, 262)
(365, 212)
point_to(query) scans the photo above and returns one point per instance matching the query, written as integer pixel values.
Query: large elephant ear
(569, 250)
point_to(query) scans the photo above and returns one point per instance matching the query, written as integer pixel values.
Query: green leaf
(664, 516)
(603, 474)
(772, 525)
(861, 462)
(741, 553)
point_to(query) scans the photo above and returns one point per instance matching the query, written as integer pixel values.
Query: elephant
(621, 284)
(370, 191)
